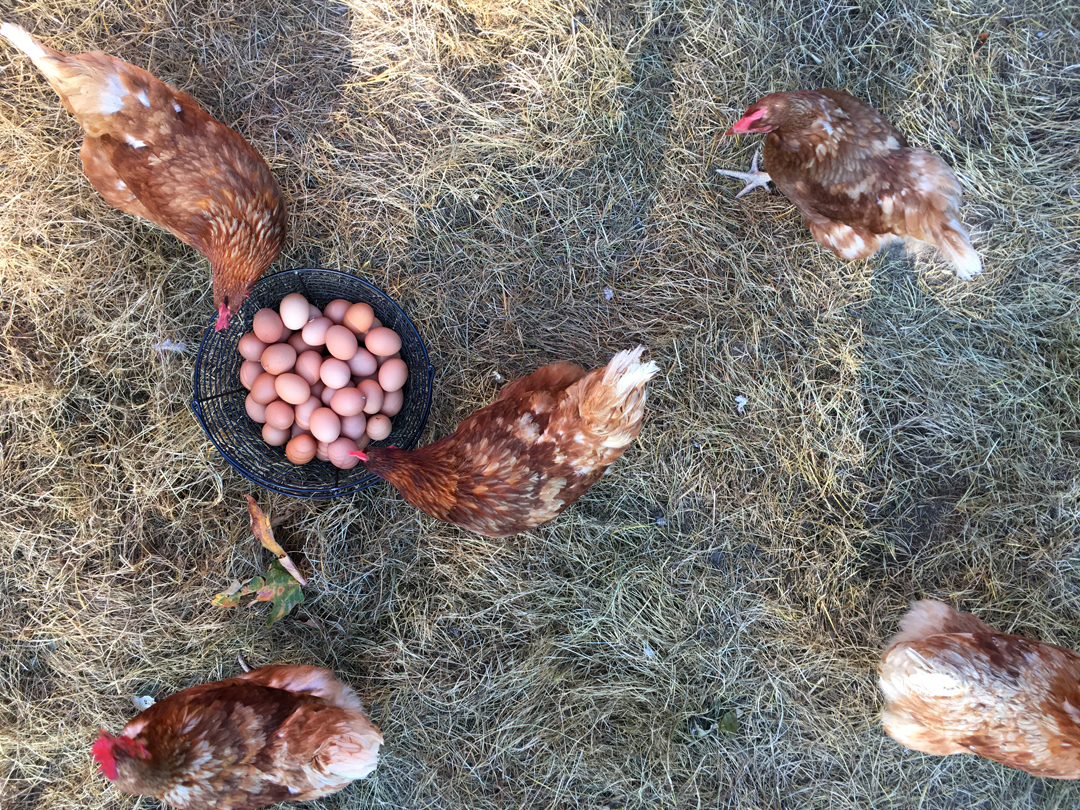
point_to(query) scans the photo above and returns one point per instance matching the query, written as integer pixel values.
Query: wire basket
(219, 397)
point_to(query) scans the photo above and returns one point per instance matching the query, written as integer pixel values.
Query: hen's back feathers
(953, 685)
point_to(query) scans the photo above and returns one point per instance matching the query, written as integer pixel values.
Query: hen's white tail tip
(954, 245)
(21, 39)
(626, 371)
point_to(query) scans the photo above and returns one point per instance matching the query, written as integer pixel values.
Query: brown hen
(152, 151)
(953, 685)
(523, 459)
(854, 177)
(279, 733)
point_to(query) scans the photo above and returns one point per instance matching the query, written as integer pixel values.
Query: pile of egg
(322, 382)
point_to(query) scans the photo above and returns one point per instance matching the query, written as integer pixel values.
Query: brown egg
(327, 395)
(279, 414)
(296, 430)
(347, 402)
(262, 390)
(393, 374)
(382, 342)
(340, 342)
(335, 373)
(338, 452)
(250, 347)
(374, 394)
(273, 436)
(304, 411)
(318, 388)
(378, 427)
(336, 309)
(296, 340)
(321, 451)
(325, 425)
(308, 365)
(278, 358)
(300, 449)
(292, 388)
(392, 402)
(375, 324)
(358, 318)
(256, 410)
(293, 310)
(249, 372)
(286, 333)
(267, 326)
(363, 442)
(363, 363)
(315, 331)
(353, 427)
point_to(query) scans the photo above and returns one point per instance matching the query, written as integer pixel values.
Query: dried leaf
(260, 527)
(229, 597)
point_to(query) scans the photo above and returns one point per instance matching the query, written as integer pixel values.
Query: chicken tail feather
(21, 39)
(954, 244)
(613, 401)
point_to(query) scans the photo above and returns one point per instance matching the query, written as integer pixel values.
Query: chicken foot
(754, 178)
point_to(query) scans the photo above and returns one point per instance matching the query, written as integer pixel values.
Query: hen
(273, 734)
(153, 152)
(526, 457)
(953, 685)
(854, 178)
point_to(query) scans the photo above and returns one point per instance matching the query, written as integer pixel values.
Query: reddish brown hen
(152, 151)
(524, 458)
(953, 685)
(854, 177)
(281, 733)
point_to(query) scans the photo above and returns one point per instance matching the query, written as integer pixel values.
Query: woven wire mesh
(219, 397)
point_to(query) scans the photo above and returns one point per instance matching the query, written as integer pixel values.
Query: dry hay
(497, 167)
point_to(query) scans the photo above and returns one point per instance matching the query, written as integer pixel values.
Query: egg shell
(327, 395)
(374, 394)
(382, 342)
(358, 318)
(335, 373)
(278, 358)
(304, 411)
(363, 363)
(279, 414)
(296, 340)
(347, 402)
(300, 449)
(340, 342)
(286, 333)
(315, 331)
(273, 436)
(293, 310)
(353, 426)
(320, 451)
(375, 324)
(392, 402)
(325, 425)
(338, 452)
(363, 442)
(378, 427)
(308, 365)
(292, 388)
(296, 430)
(336, 309)
(393, 374)
(250, 347)
(249, 372)
(262, 390)
(394, 356)
(318, 388)
(267, 326)
(255, 410)
(313, 312)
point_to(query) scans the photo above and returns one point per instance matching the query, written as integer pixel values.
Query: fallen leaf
(260, 527)
(729, 723)
(276, 586)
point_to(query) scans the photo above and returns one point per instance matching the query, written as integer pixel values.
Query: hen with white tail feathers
(954, 685)
(523, 459)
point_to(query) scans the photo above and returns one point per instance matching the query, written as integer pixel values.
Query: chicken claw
(754, 178)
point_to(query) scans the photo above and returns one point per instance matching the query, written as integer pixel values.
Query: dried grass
(495, 167)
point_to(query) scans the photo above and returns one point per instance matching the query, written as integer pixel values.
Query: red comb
(360, 454)
(103, 755)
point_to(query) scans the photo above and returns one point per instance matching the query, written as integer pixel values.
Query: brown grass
(495, 166)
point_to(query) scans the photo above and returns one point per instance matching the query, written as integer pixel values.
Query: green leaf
(276, 586)
(729, 723)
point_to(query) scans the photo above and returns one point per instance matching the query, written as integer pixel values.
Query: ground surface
(534, 181)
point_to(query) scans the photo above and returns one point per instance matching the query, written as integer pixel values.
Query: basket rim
(309, 492)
